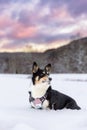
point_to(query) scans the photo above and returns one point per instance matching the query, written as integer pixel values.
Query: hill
(71, 58)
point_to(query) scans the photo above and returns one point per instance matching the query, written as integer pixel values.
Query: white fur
(39, 90)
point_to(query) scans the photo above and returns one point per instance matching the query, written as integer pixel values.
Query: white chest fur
(39, 90)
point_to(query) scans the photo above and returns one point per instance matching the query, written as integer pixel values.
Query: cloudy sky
(36, 25)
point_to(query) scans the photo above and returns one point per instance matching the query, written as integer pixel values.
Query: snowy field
(16, 113)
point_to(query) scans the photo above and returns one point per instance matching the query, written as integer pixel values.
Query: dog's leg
(45, 104)
(72, 105)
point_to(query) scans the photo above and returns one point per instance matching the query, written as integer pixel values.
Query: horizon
(40, 25)
(37, 51)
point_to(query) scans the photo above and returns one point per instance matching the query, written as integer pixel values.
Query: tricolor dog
(43, 96)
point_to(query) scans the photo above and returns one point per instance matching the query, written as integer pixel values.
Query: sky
(38, 25)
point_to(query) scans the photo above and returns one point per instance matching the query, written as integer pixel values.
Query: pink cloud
(61, 14)
(5, 22)
(14, 29)
(20, 31)
(2, 33)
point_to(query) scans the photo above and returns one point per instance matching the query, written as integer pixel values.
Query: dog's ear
(35, 67)
(48, 68)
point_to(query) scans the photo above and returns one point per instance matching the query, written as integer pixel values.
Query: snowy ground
(16, 114)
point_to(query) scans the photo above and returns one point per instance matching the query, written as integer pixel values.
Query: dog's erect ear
(35, 67)
(48, 68)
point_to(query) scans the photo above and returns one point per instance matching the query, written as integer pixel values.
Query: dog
(42, 96)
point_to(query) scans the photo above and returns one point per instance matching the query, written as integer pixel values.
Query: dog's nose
(50, 79)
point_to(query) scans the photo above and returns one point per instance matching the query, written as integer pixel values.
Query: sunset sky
(37, 25)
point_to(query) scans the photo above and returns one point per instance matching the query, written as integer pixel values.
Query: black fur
(59, 100)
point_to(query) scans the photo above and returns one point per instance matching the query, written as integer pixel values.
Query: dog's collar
(37, 102)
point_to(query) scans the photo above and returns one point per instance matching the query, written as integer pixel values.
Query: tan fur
(39, 81)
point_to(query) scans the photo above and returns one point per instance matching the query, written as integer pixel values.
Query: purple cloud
(74, 7)
(12, 1)
(27, 17)
(23, 21)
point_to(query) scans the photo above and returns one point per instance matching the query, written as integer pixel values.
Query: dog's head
(41, 76)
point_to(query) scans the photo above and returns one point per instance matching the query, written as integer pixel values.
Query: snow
(16, 113)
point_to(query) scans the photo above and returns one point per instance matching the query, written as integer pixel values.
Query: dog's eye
(43, 72)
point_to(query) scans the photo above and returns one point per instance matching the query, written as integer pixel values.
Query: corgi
(42, 96)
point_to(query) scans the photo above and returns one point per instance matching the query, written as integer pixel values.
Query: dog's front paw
(45, 104)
